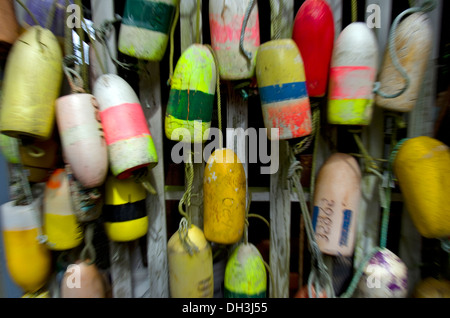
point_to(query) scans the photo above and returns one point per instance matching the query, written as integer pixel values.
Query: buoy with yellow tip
(144, 32)
(83, 280)
(191, 96)
(245, 274)
(284, 97)
(226, 20)
(354, 67)
(33, 77)
(337, 197)
(124, 210)
(224, 197)
(190, 263)
(422, 167)
(60, 222)
(413, 45)
(28, 261)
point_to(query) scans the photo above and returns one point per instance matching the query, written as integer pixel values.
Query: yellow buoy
(224, 192)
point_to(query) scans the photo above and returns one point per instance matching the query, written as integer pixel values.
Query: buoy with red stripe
(33, 77)
(127, 135)
(190, 263)
(354, 66)
(27, 260)
(60, 222)
(82, 139)
(314, 35)
(191, 97)
(245, 274)
(226, 20)
(9, 27)
(337, 197)
(413, 45)
(422, 167)
(83, 280)
(282, 88)
(224, 197)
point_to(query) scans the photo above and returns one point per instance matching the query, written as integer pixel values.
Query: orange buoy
(83, 280)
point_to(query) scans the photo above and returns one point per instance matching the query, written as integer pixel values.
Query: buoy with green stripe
(145, 27)
(245, 274)
(124, 210)
(282, 88)
(191, 97)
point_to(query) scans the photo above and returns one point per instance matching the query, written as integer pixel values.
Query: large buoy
(245, 274)
(190, 272)
(60, 222)
(130, 144)
(145, 27)
(39, 158)
(82, 139)
(33, 77)
(191, 96)
(226, 20)
(422, 167)
(28, 261)
(82, 280)
(224, 197)
(337, 197)
(353, 72)
(413, 45)
(314, 35)
(125, 211)
(9, 27)
(282, 88)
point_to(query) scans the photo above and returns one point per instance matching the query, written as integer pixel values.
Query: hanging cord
(88, 251)
(72, 75)
(247, 54)
(276, 20)
(186, 198)
(84, 66)
(141, 176)
(36, 22)
(354, 11)
(172, 45)
(306, 142)
(197, 22)
(51, 14)
(92, 41)
(427, 6)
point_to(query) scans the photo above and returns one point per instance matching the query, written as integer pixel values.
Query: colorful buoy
(422, 167)
(224, 197)
(284, 98)
(226, 19)
(353, 71)
(337, 198)
(144, 32)
(82, 280)
(314, 35)
(245, 274)
(130, 144)
(191, 96)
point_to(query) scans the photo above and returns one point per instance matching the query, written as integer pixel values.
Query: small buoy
(82, 280)
(282, 88)
(130, 144)
(314, 35)
(385, 276)
(191, 96)
(353, 72)
(432, 288)
(124, 211)
(422, 167)
(144, 32)
(224, 197)
(9, 27)
(33, 77)
(226, 19)
(60, 223)
(190, 272)
(245, 274)
(337, 197)
(413, 44)
(82, 139)
(28, 261)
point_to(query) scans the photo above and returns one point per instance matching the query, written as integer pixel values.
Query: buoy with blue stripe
(191, 97)
(144, 32)
(126, 131)
(82, 139)
(33, 77)
(354, 66)
(337, 197)
(245, 274)
(282, 88)
(226, 19)
(314, 35)
(422, 167)
(124, 210)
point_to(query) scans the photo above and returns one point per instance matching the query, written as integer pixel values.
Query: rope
(183, 234)
(51, 14)
(141, 176)
(247, 54)
(276, 20)
(84, 66)
(36, 22)
(91, 40)
(354, 10)
(306, 142)
(172, 45)
(75, 88)
(88, 251)
(219, 98)
(186, 199)
(197, 23)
